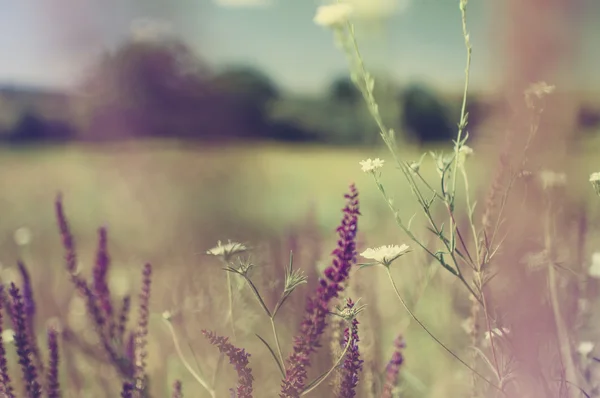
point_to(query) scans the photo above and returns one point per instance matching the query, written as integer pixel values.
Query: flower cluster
(333, 15)
(385, 255)
(392, 371)
(352, 363)
(317, 307)
(239, 359)
(595, 181)
(369, 166)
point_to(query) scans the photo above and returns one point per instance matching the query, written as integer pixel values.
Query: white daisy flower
(594, 269)
(497, 332)
(332, 14)
(227, 250)
(385, 255)
(595, 181)
(371, 165)
(8, 336)
(22, 236)
(585, 348)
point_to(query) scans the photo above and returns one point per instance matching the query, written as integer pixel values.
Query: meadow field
(167, 203)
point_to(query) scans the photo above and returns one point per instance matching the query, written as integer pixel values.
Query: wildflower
(352, 362)
(463, 153)
(52, 383)
(227, 250)
(585, 348)
(307, 341)
(239, 359)
(551, 179)
(21, 336)
(385, 255)
(22, 236)
(595, 181)
(466, 150)
(142, 330)
(496, 332)
(177, 390)
(100, 272)
(538, 90)
(369, 166)
(392, 370)
(333, 14)
(594, 270)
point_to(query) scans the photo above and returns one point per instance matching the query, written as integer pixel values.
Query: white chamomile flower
(585, 348)
(385, 255)
(371, 165)
(551, 179)
(227, 250)
(8, 336)
(496, 332)
(595, 181)
(466, 150)
(463, 153)
(594, 269)
(332, 14)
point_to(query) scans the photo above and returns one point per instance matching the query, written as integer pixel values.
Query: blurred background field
(175, 130)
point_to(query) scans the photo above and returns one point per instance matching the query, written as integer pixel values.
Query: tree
(424, 116)
(155, 88)
(343, 90)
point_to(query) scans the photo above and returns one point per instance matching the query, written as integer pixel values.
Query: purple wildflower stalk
(177, 390)
(392, 371)
(67, 237)
(100, 272)
(30, 375)
(30, 309)
(52, 384)
(239, 359)
(313, 325)
(6, 389)
(94, 305)
(352, 362)
(127, 390)
(142, 331)
(123, 318)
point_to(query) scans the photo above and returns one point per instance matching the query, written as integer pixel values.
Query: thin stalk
(230, 298)
(277, 342)
(561, 330)
(189, 368)
(326, 375)
(413, 316)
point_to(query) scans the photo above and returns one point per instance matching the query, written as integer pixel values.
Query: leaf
(279, 365)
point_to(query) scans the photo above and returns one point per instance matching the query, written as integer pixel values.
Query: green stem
(326, 375)
(189, 368)
(413, 316)
(277, 342)
(230, 297)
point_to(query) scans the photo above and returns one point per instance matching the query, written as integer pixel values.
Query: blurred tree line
(161, 89)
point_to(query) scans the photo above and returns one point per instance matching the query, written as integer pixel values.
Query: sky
(51, 42)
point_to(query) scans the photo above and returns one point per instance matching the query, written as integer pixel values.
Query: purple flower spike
(239, 359)
(100, 273)
(52, 384)
(30, 375)
(313, 325)
(352, 363)
(392, 371)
